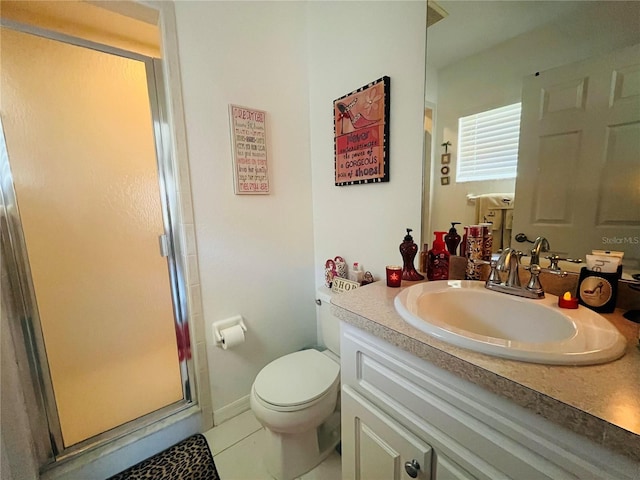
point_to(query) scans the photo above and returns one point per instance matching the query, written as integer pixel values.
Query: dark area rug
(190, 459)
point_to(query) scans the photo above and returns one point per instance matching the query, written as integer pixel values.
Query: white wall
(494, 78)
(350, 45)
(255, 252)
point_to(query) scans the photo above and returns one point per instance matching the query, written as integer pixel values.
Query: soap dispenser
(408, 250)
(438, 259)
(452, 239)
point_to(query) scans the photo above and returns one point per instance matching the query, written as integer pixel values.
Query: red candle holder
(394, 276)
(571, 302)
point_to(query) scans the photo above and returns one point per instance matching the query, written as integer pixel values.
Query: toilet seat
(296, 381)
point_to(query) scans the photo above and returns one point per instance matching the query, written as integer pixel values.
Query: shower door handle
(164, 245)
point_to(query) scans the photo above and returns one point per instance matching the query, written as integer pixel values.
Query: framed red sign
(249, 150)
(361, 134)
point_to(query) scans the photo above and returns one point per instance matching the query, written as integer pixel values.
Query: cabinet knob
(412, 468)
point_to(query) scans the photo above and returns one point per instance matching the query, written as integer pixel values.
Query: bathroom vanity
(416, 407)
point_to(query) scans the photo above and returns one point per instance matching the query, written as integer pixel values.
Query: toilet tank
(328, 325)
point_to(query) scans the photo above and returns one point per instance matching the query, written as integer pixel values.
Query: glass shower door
(81, 147)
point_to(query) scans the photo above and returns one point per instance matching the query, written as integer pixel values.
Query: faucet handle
(534, 284)
(554, 259)
(494, 276)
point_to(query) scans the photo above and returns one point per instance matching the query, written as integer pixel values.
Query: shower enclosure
(88, 209)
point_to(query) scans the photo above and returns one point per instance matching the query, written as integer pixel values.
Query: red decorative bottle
(438, 259)
(408, 250)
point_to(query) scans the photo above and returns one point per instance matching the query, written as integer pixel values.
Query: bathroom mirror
(478, 57)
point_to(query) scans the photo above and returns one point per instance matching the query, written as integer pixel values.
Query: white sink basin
(465, 314)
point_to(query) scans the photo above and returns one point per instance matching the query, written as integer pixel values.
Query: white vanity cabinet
(380, 447)
(377, 447)
(397, 408)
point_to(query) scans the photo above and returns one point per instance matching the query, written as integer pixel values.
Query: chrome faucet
(540, 245)
(509, 262)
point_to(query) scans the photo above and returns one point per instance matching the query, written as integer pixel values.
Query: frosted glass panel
(80, 141)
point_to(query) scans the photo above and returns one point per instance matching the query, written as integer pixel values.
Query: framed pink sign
(361, 134)
(249, 150)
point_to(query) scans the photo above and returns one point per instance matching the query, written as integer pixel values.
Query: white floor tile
(231, 432)
(238, 448)
(329, 469)
(244, 460)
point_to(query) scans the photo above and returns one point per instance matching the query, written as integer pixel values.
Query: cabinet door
(377, 448)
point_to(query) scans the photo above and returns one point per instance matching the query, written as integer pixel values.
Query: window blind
(488, 144)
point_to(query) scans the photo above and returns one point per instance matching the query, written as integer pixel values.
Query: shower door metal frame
(22, 284)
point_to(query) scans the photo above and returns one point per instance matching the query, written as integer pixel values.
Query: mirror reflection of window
(488, 144)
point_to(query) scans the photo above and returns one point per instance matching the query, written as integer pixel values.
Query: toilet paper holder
(227, 323)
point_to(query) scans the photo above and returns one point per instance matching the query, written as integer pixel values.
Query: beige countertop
(601, 402)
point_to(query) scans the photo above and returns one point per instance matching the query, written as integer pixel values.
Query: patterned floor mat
(190, 459)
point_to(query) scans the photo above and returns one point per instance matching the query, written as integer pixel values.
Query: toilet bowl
(296, 399)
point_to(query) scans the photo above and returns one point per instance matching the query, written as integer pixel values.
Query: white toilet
(296, 399)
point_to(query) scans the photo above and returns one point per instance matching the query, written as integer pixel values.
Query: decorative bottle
(356, 274)
(475, 251)
(438, 268)
(464, 247)
(452, 239)
(408, 250)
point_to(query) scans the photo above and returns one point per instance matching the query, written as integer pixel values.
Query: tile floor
(237, 447)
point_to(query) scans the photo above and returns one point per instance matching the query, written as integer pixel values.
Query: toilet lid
(296, 379)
